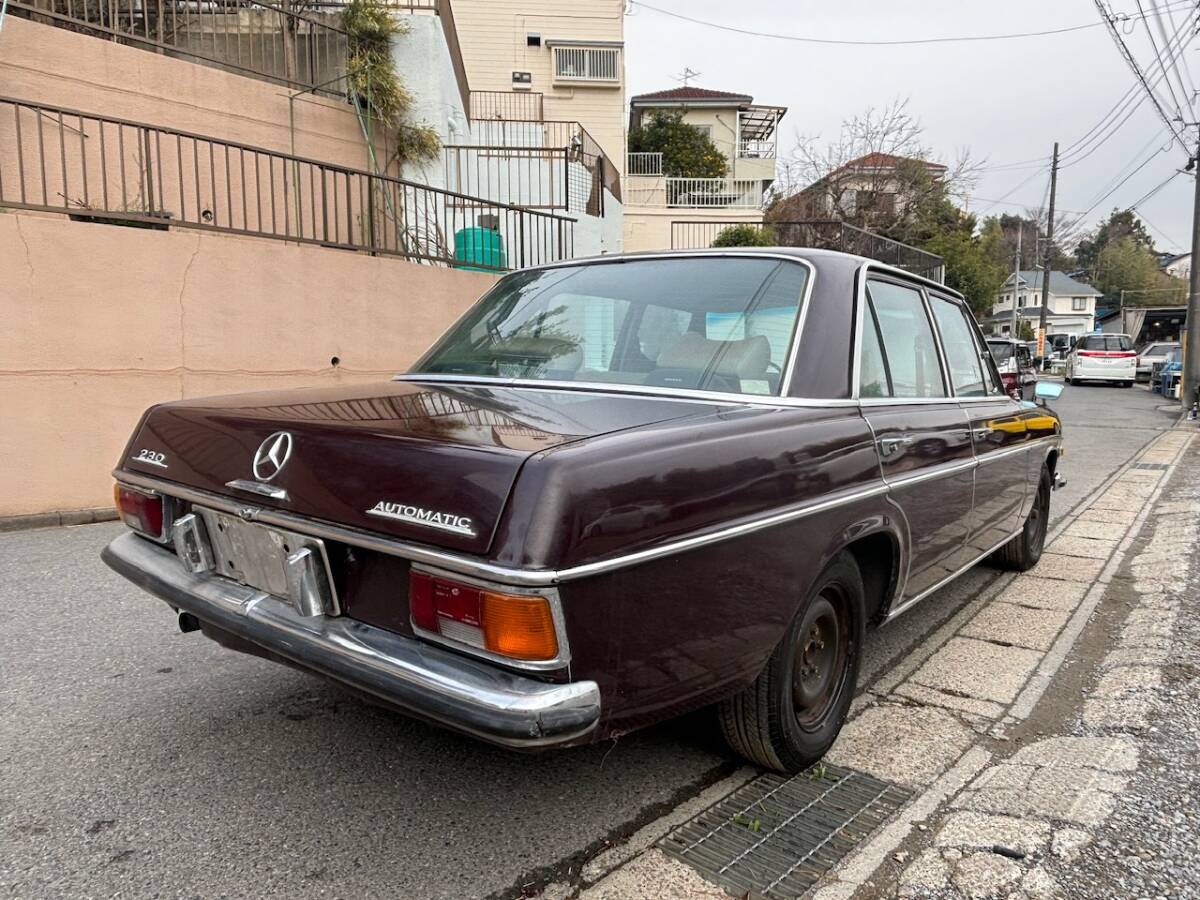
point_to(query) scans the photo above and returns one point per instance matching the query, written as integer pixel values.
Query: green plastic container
(479, 249)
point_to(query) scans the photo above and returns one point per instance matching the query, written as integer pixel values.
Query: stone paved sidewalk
(1021, 821)
(1021, 721)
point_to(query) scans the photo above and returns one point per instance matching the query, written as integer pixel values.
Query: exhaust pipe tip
(188, 623)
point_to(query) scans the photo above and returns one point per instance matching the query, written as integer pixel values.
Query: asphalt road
(136, 761)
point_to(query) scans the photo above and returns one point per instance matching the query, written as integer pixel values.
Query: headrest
(742, 359)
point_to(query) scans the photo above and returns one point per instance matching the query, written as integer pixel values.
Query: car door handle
(889, 445)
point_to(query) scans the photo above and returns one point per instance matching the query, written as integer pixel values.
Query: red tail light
(1107, 354)
(140, 510)
(516, 626)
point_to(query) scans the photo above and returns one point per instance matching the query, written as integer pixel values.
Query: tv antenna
(685, 77)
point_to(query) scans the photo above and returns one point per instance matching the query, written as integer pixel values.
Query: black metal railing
(819, 234)
(510, 105)
(102, 169)
(250, 37)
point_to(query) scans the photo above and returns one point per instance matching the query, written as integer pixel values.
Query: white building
(1071, 306)
(1178, 266)
(665, 211)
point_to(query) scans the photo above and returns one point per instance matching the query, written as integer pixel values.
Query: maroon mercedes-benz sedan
(616, 490)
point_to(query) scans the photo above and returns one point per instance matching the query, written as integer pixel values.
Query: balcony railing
(552, 134)
(756, 150)
(820, 234)
(695, 193)
(643, 163)
(292, 42)
(101, 169)
(250, 37)
(531, 177)
(520, 106)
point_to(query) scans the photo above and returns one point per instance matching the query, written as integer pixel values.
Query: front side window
(958, 343)
(909, 349)
(1078, 303)
(715, 324)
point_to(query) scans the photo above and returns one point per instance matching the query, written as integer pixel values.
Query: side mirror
(1047, 390)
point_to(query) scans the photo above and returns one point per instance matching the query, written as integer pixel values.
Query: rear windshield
(1108, 342)
(715, 324)
(1001, 350)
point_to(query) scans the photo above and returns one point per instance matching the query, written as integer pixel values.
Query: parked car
(616, 490)
(1102, 357)
(1151, 354)
(1015, 364)
(1056, 346)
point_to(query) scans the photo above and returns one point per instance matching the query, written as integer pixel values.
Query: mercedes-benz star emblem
(272, 455)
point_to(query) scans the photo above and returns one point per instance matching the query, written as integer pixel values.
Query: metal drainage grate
(1158, 467)
(776, 836)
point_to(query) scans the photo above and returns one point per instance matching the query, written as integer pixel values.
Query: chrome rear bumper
(464, 694)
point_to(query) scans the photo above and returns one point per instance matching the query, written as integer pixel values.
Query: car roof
(819, 259)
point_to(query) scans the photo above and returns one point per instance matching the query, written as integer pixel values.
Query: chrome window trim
(501, 576)
(862, 276)
(561, 660)
(793, 350)
(712, 398)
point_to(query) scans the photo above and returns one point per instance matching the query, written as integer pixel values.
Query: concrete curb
(58, 518)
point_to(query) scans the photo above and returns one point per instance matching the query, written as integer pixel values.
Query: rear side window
(1001, 350)
(909, 351)
(958, 343)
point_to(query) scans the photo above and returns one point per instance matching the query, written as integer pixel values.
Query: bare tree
(876, 173)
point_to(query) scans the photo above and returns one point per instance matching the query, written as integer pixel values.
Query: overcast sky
(1006, 101)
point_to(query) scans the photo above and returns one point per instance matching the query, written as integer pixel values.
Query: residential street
(138, 761)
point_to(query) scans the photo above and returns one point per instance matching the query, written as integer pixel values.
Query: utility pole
(1041, 332)
(1012, 328)
(1191, 354)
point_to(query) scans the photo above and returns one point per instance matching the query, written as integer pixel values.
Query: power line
(1181, 39)
(1155, 190)
(1162, 62)
(1121, 183)
(1109, 22)
(859, 43)
(1170, 240)
(1121, 107)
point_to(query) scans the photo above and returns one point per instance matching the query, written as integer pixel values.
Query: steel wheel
(820, 662)
(1039, 516)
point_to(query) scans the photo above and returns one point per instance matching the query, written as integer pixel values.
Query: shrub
(745, 236)
(687, 151)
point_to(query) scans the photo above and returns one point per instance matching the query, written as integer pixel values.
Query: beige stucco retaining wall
(101, 321)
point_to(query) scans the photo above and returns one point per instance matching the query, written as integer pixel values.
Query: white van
(1102, 357)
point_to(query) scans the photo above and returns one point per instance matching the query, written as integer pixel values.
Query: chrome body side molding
(466, 565)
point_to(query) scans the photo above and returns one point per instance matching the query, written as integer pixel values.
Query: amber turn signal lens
(518, 627)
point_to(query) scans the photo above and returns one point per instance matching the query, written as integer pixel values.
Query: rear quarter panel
(683, 630)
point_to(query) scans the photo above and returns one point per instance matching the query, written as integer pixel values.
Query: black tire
(794, 710)
(1126, 384)
(1022, 552)
(1067, 379)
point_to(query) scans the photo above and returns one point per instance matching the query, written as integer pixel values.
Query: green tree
(1127, 264)
(1121, 223)
(937, 226)
(1025, 330)
(687, 151)
(745, 236)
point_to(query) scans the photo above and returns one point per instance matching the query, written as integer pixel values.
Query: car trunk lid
(432, 463)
